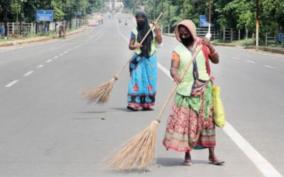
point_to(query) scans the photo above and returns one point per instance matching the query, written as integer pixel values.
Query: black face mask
(140, 24)
(186, 41)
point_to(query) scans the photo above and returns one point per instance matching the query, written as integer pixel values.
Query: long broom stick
(139, 152)
(101, 93)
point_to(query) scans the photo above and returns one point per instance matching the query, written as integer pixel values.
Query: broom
(101, 93)
(139, 152)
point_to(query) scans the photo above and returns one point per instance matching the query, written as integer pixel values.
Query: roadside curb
(267, 49)
(225, 45)
(39, 39)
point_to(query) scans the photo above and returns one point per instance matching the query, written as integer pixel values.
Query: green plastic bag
(219, 113)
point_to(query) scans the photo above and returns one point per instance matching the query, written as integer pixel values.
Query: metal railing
(17, 29)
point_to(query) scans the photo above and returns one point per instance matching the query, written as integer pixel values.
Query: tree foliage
(25, 10)
(238, 14)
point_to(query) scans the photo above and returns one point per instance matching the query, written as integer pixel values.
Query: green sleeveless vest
(185, 87)
(154, 44)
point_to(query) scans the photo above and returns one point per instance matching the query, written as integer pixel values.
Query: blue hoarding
(44, 15)
(203, 21)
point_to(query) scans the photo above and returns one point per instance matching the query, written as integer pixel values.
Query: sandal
(187, 162)
(215, 161)
(147, 109)
(187, 159)
(133, 108)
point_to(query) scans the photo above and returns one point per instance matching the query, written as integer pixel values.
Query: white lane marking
(28, 73)
(40, 66)
(264, 166)
(48, 61)
(61, 54)
(250, 61)
(11, 83)
(269, 67)
(259, 161)
(65, 52)
(165, 70)
(55, 57)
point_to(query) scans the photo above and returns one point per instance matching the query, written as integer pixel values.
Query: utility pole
(257, 25)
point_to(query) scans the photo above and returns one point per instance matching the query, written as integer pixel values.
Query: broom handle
(148, 32)
(173, 90)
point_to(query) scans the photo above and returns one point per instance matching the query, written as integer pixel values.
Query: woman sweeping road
(142, 86)
(191, 125)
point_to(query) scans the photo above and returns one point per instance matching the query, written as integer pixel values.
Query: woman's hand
(213, 55)
(137, 45)
(177, 79)
(158, 32)
(157, 29)
(208, 44)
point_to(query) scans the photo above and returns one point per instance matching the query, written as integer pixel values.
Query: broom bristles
(139, 152)
(99, 94)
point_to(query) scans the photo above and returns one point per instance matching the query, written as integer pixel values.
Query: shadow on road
(171, 162)
(93, 112)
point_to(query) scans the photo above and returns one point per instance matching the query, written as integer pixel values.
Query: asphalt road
(48, 130)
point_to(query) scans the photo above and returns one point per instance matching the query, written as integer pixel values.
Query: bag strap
(207, 64)
(195, 53)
